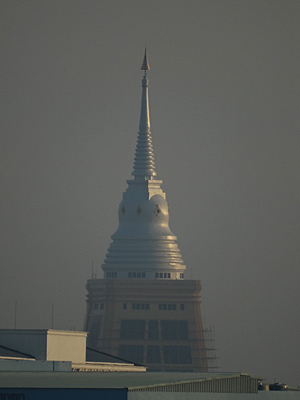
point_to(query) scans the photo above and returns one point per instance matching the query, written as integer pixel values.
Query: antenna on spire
(145, 66)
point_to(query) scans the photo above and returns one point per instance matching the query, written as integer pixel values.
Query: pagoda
(143, 310)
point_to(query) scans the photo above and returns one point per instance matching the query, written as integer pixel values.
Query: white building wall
(66, 346)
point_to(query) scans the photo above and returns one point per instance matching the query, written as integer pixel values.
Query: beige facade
(156, 323)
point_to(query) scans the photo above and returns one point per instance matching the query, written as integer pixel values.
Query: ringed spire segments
(145, 66)
(144, 165)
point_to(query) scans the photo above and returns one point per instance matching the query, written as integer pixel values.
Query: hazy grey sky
(224, 93)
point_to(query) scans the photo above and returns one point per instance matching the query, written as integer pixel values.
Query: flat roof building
(55, 350)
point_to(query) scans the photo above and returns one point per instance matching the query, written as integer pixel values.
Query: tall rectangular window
(174, 330)
(153, 330)
(132, 353)
(153, 355)
(132, 329)
(177, 354)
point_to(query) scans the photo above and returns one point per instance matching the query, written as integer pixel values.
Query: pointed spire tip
(145, 66)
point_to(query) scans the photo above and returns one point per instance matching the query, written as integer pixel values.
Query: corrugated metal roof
(101, 379)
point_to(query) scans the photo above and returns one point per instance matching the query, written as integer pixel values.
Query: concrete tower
(143, 310)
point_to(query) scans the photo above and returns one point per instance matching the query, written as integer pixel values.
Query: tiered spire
(145, 66)
(143, 246)
(144, 165)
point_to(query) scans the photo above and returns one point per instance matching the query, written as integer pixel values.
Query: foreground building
(51, 364)
(143, 310)
(135, 386)
(126, 386)
(49, 350)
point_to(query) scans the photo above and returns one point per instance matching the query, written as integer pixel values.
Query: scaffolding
(209, 337)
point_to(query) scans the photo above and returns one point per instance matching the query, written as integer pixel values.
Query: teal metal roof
(103, 380)
(9, 352)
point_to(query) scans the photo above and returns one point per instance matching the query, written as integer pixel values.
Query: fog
(224, 100)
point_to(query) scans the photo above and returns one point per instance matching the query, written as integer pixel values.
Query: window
(153, 355)
(181, 307)
(140, 306)
(124, 306)
(181, 276)
(177, 354)
(163, 275)
(132, 329)
(162, 306)
(153, 330)
(132, 353)
(136, 275)
(170, 307)
(98, 306)
(111, 274)
(174, 330)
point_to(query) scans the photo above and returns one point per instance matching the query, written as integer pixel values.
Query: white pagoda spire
(143, 245)
(144, 165)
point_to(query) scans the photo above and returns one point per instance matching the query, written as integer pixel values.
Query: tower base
(156, 323)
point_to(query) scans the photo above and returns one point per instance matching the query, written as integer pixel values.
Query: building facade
(143, 310)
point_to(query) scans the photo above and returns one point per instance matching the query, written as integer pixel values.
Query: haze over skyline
(224, 99)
